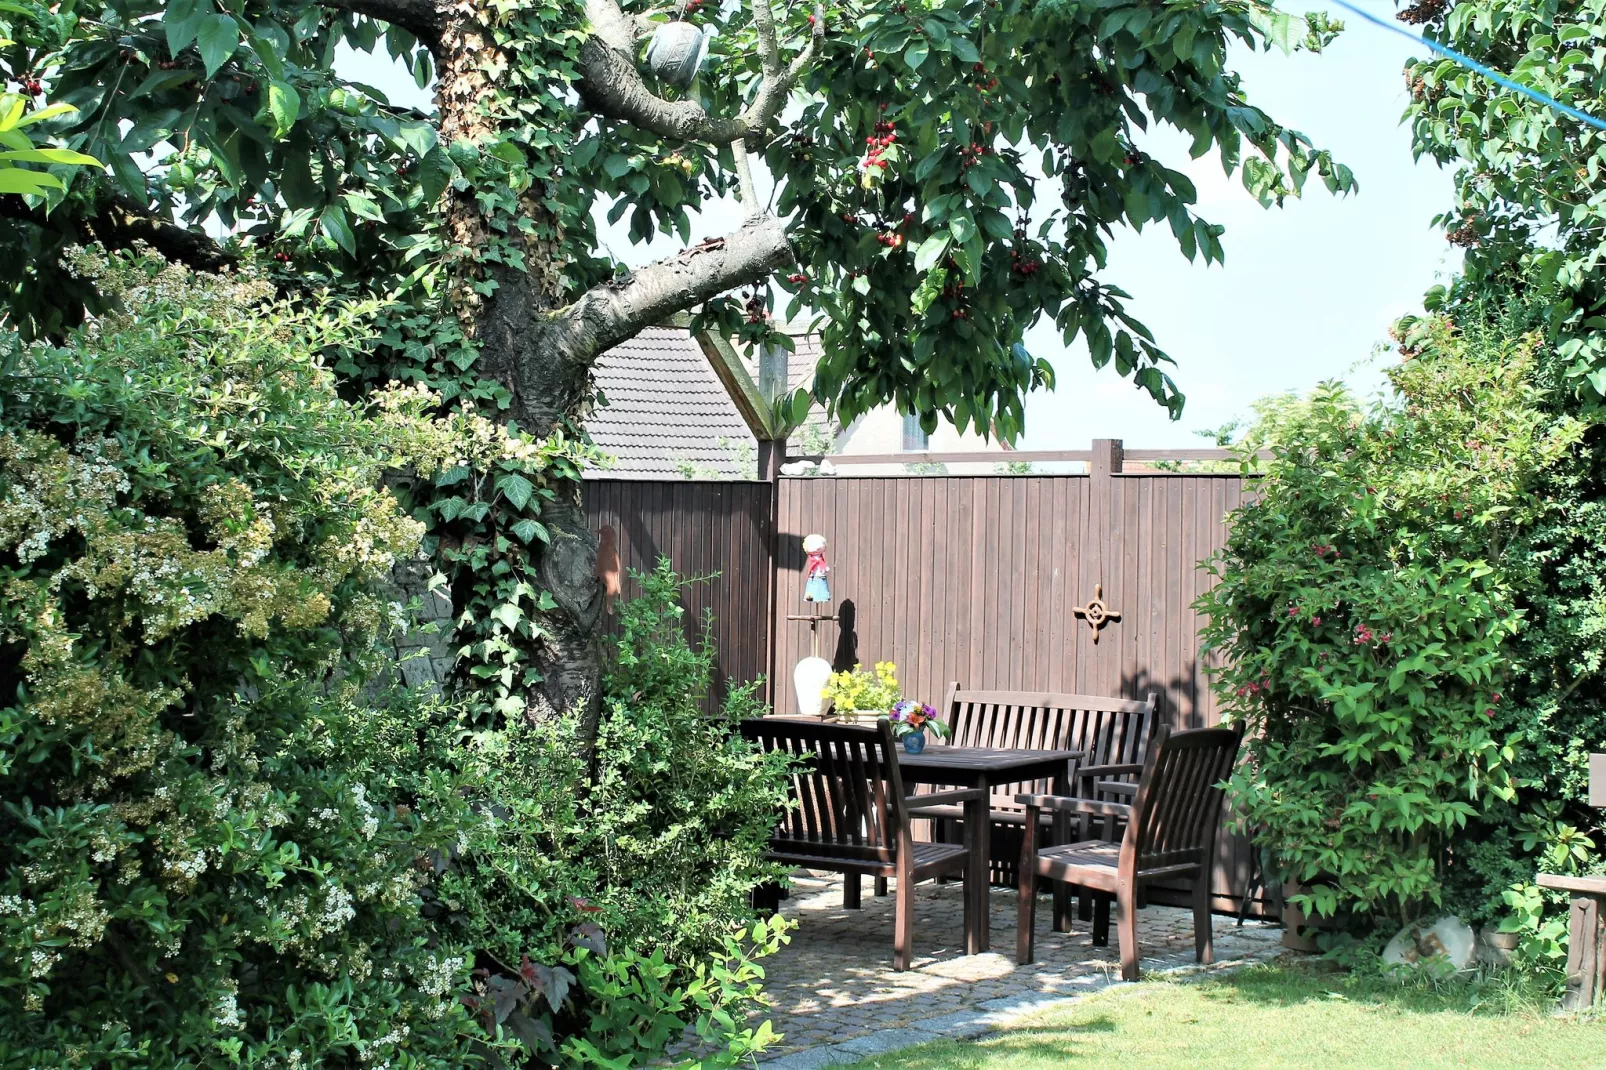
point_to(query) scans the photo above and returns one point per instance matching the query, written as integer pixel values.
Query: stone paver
(836, 998)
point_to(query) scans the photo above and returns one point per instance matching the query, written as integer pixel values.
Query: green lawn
(1281, 1016)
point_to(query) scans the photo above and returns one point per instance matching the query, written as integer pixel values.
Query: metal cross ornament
(1096, 613)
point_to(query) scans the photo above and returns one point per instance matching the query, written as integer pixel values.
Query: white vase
(809, 678)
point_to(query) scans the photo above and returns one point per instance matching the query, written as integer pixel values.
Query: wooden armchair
(851, 817)
(1112, 732)
(1170, 833)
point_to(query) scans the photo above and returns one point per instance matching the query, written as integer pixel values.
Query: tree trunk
(542, 348)
(549, 381)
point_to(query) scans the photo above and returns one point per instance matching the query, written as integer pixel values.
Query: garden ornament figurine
(816, 588)
(813, 671)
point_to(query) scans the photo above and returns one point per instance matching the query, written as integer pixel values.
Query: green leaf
(269, 53)
(338, 228)
(931, 251)
(284, 104)
(16, 180)
(963, 50)
(915, 55)
(180, 21)
(527, 530)
(435, 171)
(50, 111)
(801, 402)
(363, 206)
(516, 489)
(64, 156)
(217, 38)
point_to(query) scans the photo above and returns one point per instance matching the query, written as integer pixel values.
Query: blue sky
(1307, 292)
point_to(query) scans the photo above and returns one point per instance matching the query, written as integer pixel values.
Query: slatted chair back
(1110, 731)
(847, 793)
(1178, 805)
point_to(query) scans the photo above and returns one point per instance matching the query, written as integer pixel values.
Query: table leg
(980, 874)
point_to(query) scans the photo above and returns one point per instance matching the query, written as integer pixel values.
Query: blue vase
(915, 741)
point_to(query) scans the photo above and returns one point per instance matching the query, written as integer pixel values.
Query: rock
(1447, 940)
(798, 468)
(1495, 947)
(827, 468)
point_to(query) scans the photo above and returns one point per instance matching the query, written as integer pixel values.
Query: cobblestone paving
(836, 996)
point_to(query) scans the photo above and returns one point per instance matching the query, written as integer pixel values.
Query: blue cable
(1472, 64)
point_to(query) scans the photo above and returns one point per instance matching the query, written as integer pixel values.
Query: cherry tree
(945, 174)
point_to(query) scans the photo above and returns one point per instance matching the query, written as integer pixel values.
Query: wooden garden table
(986, 768)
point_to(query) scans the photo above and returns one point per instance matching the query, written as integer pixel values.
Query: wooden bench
(1586, 941)
(850, 816)
(1113, 733)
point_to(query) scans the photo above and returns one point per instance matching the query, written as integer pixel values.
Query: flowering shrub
(221, 840)
(191, 534)
(1365, 622)
(857, 689)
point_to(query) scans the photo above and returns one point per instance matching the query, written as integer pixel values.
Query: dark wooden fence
(967, 578)
(703, 528)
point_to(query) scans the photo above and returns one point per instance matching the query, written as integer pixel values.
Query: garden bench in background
(1170, 834)
(1586, 941)
(851, 817)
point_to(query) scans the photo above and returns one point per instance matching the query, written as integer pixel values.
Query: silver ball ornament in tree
(676, 51)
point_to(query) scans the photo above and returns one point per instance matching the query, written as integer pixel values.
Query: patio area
(837, 998)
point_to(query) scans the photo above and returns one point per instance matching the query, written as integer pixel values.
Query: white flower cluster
(50, 491)
(227, 1014)
(436, 978)
(371, 1050)
(370, 822)
(15, 904)
(337, 910)
(187, 867)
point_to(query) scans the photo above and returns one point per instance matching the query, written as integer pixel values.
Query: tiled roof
(667, 411)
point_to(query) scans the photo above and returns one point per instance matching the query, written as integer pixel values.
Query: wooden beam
(994, 456)
(733, 376)
(959, 457)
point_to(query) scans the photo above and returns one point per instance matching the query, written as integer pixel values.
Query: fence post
(1107, 455)
(1104, 550)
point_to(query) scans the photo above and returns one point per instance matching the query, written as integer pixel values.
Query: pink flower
(1316, 622)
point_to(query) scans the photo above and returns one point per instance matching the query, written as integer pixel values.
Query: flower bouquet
(910, 720)
(861, 695)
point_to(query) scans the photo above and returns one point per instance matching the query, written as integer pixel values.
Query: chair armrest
(943, 798)
(1067, 804)
(1116, 787)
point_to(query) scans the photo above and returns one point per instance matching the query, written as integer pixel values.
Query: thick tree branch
(613, 86)
(615, 311)
(769, 52)
(120, 223)
(424, 19)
